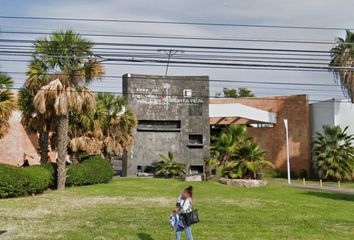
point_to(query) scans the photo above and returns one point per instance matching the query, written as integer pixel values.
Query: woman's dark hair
(189, 190)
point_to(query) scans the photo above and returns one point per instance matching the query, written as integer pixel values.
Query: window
(196, 169)
(158, 125)
(145, 171)
(195, 139)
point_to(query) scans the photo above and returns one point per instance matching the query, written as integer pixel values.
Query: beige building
(17, 145)
(270, 134)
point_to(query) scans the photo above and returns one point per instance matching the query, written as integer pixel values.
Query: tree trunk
(75, 157)
(43, 144)
(62, 150)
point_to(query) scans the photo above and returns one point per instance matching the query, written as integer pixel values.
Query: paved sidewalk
(324, 188)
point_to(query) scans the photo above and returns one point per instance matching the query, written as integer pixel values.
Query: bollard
(338, 184)
(303, 181)
(321, 183)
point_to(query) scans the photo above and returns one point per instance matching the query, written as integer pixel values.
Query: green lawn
(139, 209)
(347, 184)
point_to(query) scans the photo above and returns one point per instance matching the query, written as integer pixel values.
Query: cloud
(270, 12)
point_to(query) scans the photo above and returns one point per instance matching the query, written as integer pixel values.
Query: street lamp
(287, 149)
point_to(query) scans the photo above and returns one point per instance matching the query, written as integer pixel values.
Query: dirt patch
(29, 219)
(248, 202)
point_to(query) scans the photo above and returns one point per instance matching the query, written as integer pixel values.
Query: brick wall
(17, 144)
(296, 110)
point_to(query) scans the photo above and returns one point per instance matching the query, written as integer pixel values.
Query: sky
(318, 13)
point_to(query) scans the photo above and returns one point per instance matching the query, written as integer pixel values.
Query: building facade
(270, 134)
(173, 115)
(332, 112)
(17, 145)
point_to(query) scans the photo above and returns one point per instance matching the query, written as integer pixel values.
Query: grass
(345, 184)
(139, 209)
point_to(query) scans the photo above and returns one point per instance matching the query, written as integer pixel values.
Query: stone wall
(170, 110)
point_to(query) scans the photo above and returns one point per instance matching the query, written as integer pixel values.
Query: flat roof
(238, 110)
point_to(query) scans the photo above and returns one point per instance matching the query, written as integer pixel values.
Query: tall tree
(7, 103)
(342, 56)
(117, 123)
(237, 93)
(109, 129)
(333, 153)
(71, 65)
(35, 122)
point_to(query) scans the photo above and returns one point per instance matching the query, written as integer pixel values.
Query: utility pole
(169, 53)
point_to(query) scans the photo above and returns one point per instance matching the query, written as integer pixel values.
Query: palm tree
(210, 164)
(117, 123)
(71, 65)
(37, 76)
(168, 167)
(225, 145)
(251, 155)
(342, 56)
(238, 155)
(333, 153)
(109, 129)
(7, 103)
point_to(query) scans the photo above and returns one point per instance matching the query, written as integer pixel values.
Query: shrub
(12, 181)
(168, 167)
(38, 179)
(15, 182)
(238, 155)
(52, 168)
(333, 153)
(93, 170)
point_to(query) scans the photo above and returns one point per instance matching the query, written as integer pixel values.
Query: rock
(225, 181)
(247, 183)
(145, 174)
(194, 178)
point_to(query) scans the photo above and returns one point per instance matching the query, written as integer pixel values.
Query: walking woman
(184, 205)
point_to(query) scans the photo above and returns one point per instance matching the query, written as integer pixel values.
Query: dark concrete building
(173, 115)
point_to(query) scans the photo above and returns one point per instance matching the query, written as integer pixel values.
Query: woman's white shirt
(186, 204)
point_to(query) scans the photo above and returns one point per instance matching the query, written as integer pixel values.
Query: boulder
(247, 183)
(194, 178)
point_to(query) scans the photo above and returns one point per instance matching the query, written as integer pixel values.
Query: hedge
(15, 182)
(93, 170)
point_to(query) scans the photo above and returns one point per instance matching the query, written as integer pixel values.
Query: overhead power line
(272, 98)
(109, 46)
(306, 61)
(153, 50)
(164, 36)
(130, 62)
(197, 64)
(229, 81)
(212, 24)
(237, 57)
(174, 46)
